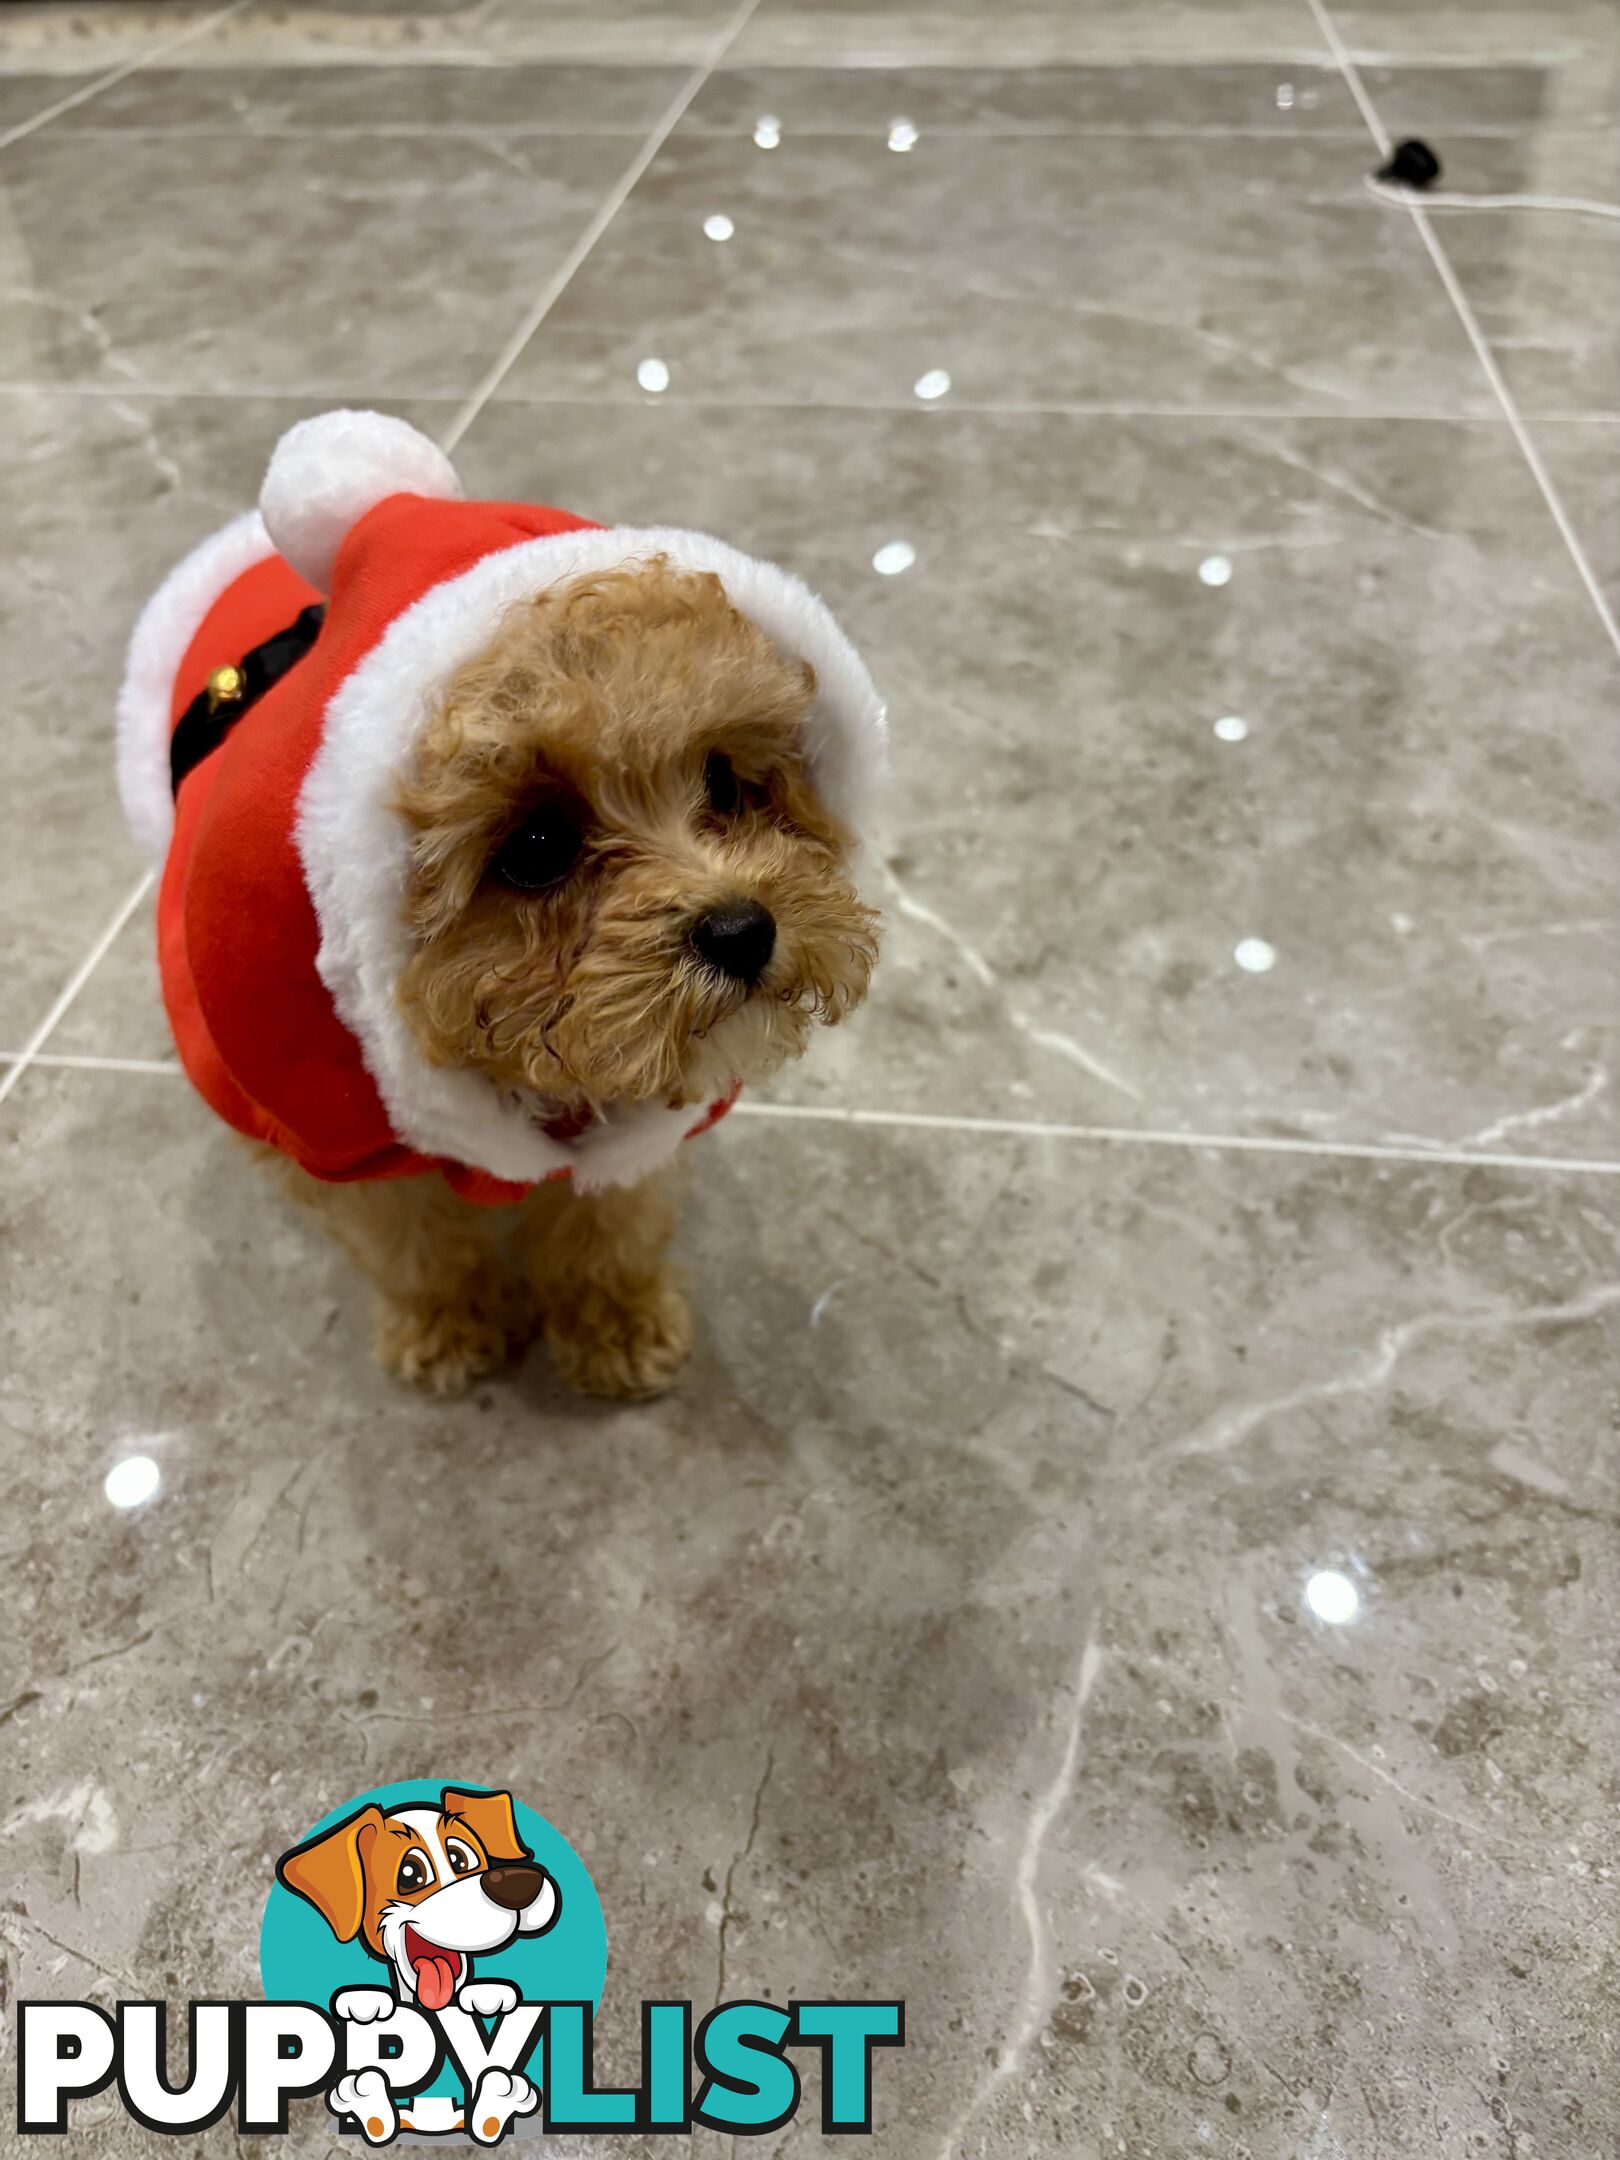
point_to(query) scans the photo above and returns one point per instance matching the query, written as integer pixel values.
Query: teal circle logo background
(301, 1960)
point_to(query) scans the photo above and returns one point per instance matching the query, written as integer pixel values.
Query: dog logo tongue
(436, 1970)
(436, 1981)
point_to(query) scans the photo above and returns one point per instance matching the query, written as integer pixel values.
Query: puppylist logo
(433, 1959)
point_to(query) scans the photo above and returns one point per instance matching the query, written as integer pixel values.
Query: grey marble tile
(103, 496)
(1237, 98)
(1025, 33)
(522, 99)
(1584, 462)
(968, 1566)
(1164, 270)
(383, 265)
(1419, 821)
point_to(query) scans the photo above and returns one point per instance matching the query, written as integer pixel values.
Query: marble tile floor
(1131, 1568)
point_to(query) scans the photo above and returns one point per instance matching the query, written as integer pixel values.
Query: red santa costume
(281, 924)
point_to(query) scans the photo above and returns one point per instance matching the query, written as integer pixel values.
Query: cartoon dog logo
(426, 1889)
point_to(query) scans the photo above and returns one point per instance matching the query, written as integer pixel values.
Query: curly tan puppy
(499, 849)
(624, 888)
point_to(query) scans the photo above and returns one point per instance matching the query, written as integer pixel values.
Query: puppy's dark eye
(413, 1873)
(541, 852)
(462, 1861)
(721, 785)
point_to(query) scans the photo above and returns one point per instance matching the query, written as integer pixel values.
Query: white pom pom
(328, 472)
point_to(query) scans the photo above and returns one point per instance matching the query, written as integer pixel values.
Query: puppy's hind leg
(447, 1311)
(615, 1321)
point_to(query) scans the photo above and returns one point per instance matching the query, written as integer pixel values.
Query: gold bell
(225, 685)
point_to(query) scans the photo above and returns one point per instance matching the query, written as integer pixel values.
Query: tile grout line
(1015, 1128)
(30, 1050)
(90, 1061)
(1476, 337)
(557, 284)
(1132, 1136)
(143, 59)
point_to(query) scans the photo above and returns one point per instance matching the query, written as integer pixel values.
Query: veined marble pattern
(1131, 1567)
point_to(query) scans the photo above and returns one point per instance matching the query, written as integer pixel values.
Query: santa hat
(289, 825)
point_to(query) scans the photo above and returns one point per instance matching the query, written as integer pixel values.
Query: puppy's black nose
(737, 939)
(515, 1886)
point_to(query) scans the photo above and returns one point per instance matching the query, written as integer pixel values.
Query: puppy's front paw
(364, 2094)
(363, 2005)
(629, 1342)
(501, 2095)
(441, 1349)
(487, 1998)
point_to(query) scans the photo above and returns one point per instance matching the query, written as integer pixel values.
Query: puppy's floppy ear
(330, 1871)
(488, 1815)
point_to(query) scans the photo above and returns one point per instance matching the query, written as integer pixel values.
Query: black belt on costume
(234, 689)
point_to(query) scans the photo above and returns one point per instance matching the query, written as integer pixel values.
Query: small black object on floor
(1414, 165)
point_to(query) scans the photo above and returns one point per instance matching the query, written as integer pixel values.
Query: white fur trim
(326, 473)
(355, 848)
(168, 623)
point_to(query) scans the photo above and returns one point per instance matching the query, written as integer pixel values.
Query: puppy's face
(624, 887)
